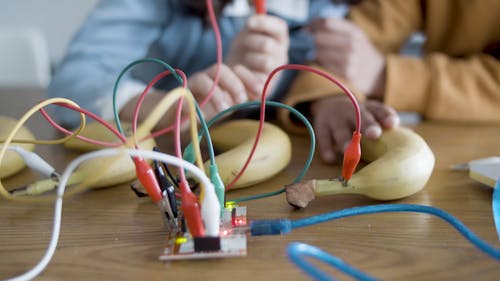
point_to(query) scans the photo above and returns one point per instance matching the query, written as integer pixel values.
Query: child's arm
(261, 46)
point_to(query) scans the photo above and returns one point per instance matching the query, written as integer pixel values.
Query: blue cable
(495, 206)
(284, 226)
(384, 208)
(296, 252)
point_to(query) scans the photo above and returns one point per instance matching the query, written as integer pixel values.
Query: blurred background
(33, 38)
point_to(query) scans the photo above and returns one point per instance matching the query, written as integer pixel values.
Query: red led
(239, 222)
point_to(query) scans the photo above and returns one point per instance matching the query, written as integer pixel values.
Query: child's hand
(334, 122)
(261, 46)
(345, 50)
(230, 90)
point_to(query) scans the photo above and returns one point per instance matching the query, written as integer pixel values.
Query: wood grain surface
(110, 234)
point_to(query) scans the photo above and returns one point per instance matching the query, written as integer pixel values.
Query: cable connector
(35, 162)
(36, 188)
(147, 177)
(270, 227)
(220, 190)
(210, 212)
(166, 187)
(260, 6)
(188, 154)
(170, 220)
(352, 155)
(191, 210)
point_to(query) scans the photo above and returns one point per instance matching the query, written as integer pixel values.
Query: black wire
(174, 180)
(169, 173)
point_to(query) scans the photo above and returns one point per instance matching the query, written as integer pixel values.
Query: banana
(110, 170)
(236, 138)
(12, 162)
(400, 163)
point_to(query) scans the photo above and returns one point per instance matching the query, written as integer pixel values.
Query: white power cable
(210, 222)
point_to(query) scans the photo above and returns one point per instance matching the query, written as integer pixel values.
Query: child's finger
(385, 115)
(325, 143)
(259, 62)
(370, 127)
(270, 25)
(259, 43)
(252, 82)
(342, 133)
(200, 84)
(230, 83)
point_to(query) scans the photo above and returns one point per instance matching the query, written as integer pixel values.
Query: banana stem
(332, 186)
(300, 194)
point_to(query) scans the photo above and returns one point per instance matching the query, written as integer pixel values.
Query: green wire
(127, 68)
(179, 78)
(292, 110)
(206, 125)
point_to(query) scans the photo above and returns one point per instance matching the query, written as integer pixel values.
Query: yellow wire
(56, 141)
(155, 116)
(16, 128)
(144, 129)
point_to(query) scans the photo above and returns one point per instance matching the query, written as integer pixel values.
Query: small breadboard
(232, 240)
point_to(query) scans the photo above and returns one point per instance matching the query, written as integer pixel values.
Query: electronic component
(484, 170)
(231, 242)
(206, 244)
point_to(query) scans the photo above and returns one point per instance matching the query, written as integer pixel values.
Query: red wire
(143, 95)
(177, 141)
(211, 91)
(106, 124)
(218, 42)
(91, 115)
(189, 202)
(263, 108)
(332, 79)
(260, 6)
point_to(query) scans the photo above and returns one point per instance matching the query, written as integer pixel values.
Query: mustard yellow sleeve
(444, 88)
(306, 88)
(388, 23)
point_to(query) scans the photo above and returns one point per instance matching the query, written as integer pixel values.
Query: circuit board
(232, 241)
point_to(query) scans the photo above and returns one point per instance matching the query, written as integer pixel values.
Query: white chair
(24, 58)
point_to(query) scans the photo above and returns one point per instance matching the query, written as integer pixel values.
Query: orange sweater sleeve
(440, 86)
(444, 88)
(388, 24)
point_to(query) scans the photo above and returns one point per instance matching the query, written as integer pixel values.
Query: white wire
(33, 160)
(42, 264)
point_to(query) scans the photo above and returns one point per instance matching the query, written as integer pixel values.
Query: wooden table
(110, 234)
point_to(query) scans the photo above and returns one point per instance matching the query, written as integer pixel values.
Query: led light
(180, 240)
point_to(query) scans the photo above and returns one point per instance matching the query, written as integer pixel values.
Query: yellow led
(180, 240)
(230, 205)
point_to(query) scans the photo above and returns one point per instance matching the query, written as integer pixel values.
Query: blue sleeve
(115, 33)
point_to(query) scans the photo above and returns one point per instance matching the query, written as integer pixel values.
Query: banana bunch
(104, 171)
(236, 139)
(399, 165)
(12, 162)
